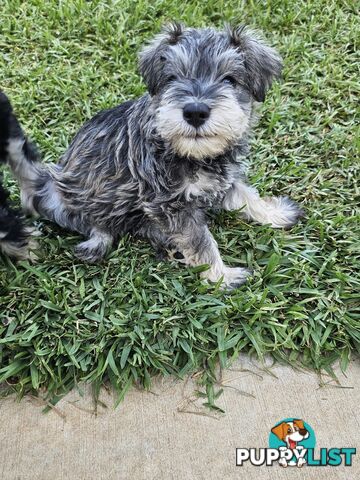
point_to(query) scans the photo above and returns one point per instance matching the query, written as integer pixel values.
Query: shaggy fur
(154, 166)
(15, 237)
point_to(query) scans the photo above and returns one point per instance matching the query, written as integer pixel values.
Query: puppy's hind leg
(94, 249)
(279, 212)
(161, 242)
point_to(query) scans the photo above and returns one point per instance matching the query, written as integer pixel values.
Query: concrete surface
(151, 435)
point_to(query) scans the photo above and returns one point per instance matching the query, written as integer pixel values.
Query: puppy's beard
(226, 124)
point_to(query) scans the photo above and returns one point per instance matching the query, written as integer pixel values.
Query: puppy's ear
(262, 63)
(151, 60)
(279, 431)
(300, 424)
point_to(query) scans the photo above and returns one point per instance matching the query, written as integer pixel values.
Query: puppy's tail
(19, 153)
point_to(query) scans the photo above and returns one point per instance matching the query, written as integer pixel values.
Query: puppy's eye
(230, 81)
(289, 430)
(170, 79)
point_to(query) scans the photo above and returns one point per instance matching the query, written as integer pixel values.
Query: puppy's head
(291, 432)
(203, 84)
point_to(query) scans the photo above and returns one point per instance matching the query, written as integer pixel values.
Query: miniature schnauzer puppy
(15, 238)
(154, 166)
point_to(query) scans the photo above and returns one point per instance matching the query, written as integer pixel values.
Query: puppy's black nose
(303, 431)
(196, 113)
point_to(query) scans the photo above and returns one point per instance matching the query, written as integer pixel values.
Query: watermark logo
(292, 444)
(292, 437)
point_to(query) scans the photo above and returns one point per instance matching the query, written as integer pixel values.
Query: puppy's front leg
(279, 212)
(193, 239)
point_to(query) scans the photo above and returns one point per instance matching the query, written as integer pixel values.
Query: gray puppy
(154, 166)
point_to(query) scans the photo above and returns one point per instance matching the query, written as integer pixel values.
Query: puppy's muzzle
(196, 114)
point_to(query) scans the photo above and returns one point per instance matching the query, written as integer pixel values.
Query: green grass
(62, 322)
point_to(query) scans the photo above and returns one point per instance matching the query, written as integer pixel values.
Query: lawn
(133, 317)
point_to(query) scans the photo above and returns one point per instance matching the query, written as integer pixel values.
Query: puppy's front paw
(232, 277)
(282, 212)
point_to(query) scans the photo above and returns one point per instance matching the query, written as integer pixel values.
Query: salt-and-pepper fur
(142, 168)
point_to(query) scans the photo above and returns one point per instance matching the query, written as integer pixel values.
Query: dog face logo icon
(292, 436)
(291, 432)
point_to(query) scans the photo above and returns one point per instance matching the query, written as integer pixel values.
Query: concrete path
(151, 435)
